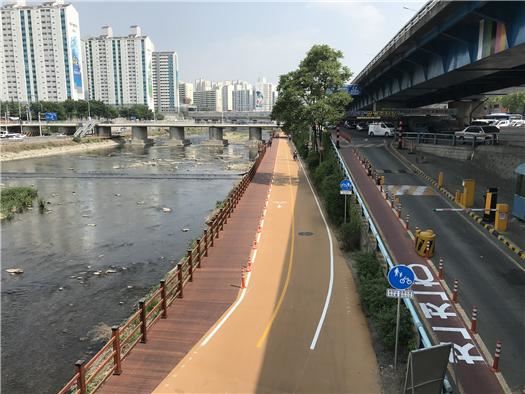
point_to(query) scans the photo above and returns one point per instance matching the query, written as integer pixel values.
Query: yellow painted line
(290, 266)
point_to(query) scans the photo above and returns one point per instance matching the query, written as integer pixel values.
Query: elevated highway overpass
(448, 51)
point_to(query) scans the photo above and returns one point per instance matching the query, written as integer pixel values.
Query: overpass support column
(139, 135)
(177, 136)
(464, 109)
(31, 130)
(103, 131)
(216, 136)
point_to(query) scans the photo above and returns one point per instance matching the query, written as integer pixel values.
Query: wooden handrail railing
(108, 360)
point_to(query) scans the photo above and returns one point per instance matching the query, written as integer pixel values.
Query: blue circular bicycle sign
(401, 277)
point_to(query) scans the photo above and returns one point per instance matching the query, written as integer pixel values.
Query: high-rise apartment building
(185, 93)
(165, 81)
(227, 96)
(263, 95)
(40, 52)
(207, 96)
(120, 69)
(242, 96)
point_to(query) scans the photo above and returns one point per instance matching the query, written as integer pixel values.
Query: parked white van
(380, 129)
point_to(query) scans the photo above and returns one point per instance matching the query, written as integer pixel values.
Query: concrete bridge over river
(139, 130)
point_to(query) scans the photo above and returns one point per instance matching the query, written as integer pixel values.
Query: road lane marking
(290, 265)
(331, 282)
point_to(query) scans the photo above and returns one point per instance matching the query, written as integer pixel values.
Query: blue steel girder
(452, 45)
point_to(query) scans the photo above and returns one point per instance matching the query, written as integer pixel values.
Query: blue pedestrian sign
(50, 116)
(353, 90)
(345, 186)
(401, 277)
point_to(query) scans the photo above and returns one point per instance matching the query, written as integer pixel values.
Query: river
(105, 212)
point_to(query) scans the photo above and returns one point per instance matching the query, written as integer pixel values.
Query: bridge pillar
(70, 130)
(103, 131)
(139, 135)
(255, 133)
(177, 136)
(216, 136)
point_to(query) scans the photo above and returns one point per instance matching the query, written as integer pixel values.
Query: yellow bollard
(426, 243)
(502, 217)
(382, 180)
(440, 179)
(458, 197)
(469, 188)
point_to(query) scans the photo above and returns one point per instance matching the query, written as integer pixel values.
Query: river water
(105, 212)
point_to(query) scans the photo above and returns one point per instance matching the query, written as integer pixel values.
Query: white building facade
(263, 95)
(120, 69)
(40, 52)
(242, 96)
(166, 81)
(185, 93)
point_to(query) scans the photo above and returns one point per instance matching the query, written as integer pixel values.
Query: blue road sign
(345, 185)
(354, 90)
(50, 116)
(401, 277)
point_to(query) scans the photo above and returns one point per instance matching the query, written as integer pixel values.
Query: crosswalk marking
(410, 190)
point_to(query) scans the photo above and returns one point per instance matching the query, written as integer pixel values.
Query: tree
(514, 103)
(313, 95)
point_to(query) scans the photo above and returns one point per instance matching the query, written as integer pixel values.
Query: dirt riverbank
(29, 150)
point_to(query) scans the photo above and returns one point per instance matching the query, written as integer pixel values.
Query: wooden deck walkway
(214, 289)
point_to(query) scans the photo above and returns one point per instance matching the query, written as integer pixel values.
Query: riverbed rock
(111, 271)
(185, 230)
(166, 209)
(15, 271)
(91, 224)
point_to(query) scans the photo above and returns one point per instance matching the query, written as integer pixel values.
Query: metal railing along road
(450, 139)
(91, 375)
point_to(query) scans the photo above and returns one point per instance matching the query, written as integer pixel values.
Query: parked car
(380, 129)
(480, 133)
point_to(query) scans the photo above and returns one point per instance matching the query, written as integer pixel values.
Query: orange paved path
(264, 345)
(214, 288)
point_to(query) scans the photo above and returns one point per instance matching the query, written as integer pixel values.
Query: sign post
(345, 188)
(400, 277)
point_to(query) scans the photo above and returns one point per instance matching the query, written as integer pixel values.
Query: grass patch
(16, 200)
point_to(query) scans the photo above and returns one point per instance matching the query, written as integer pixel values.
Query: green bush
(16, 199)
(350, 232)
(380, 309)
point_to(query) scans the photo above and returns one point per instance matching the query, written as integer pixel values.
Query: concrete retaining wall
(452, 152)
(501, 160)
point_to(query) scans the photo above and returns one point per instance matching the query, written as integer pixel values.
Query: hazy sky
(245, 40)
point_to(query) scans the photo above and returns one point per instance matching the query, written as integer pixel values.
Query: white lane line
(331, 283)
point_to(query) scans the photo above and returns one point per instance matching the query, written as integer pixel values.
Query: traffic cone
(254, 246)
(474, 320)
(249, 266)
(495, 363)
(243, 279)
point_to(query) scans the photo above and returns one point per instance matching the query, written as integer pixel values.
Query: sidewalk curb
(478, 219)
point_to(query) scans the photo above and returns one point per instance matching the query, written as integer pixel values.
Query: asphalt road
(489, 275)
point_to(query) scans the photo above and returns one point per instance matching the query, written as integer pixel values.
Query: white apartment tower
(119, 69)
(186, 93)
(227, 96)
(263, 95)
(166, 81)
(40, 52)
(242, 96)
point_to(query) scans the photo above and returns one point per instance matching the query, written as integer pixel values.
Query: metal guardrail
(411, 23)
(384, 252)
(450, 139)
